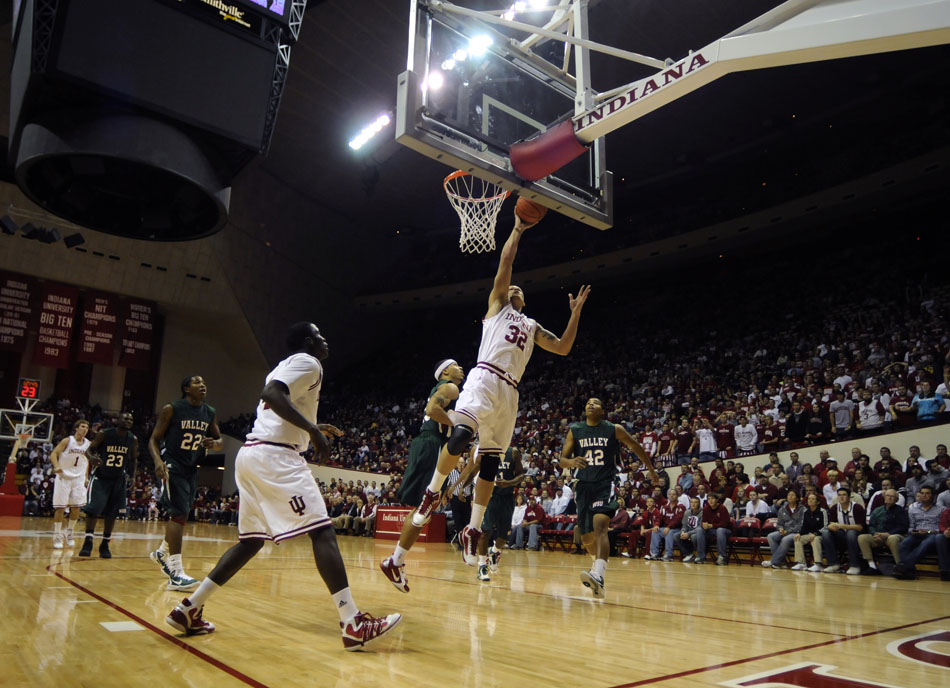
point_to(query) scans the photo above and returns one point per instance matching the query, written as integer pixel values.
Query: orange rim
(483, 199)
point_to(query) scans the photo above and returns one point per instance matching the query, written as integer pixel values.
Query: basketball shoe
(104, 552)
(179, 580)
(86, 547)
(468, 538)
(186, 618)
(58, 540)
(395, 574)
(423, 512)
(363, 628)
(594, 582)
(69, 539)
(161, 560)
(483, 573)
(494, 556)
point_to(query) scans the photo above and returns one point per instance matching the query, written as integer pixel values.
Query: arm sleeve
(299, 373)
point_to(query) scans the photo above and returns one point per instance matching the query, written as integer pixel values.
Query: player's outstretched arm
(158, 434)
(498, 298)
(438, 402)
(277, 396)
(624, 438)
(562, 345)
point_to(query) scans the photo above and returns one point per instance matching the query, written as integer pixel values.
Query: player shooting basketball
(488, 403)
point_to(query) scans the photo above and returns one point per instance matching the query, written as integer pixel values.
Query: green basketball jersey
(188, 427)
(598, 444)
(116, 454)
(429, 425)
(506, 471)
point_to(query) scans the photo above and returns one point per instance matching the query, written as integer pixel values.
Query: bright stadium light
(370, 130)
(509, 15)
(477, 45)
(433, 81)
(448, 65)
(538, 4)
(459, 55)
(520, 6)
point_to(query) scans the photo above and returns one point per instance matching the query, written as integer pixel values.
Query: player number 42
(191, 442)
(594, 457)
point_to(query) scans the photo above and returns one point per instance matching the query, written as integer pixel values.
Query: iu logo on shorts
(298, 505)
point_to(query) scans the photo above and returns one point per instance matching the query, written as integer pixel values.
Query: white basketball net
(477, 203)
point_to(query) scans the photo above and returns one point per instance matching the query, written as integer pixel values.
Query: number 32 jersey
(507, 342)
(598, 444)
(188, 427)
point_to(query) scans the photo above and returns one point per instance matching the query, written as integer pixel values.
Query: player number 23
(115, 460)
(595, 457)
(191, 442)
(517, 337)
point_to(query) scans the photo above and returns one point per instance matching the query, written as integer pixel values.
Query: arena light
(460, 55)
(370, 130)
(538, 4)
(477, 45)
(434, 81)
(448, 65)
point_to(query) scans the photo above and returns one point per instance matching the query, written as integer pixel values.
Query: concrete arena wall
(322, 473)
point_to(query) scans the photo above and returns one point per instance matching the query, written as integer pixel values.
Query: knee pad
(181, 520)
(488, 468)
(459, 439)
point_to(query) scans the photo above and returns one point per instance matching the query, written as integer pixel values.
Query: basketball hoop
(477, 203)
(24, 438)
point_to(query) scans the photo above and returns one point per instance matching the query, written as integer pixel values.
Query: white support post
(795, 32)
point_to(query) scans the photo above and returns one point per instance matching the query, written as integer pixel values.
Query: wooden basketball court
(94, 622)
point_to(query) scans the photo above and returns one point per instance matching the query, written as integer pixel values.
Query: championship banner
(138, 329)
(17, 306)
(97, 328)
(57, 315)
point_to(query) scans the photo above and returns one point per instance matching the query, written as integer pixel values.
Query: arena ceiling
(747, 142)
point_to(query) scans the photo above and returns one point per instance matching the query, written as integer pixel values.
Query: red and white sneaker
(423, 512)
(468, 538)
(186, 618)
(363, 628)
(395, 574)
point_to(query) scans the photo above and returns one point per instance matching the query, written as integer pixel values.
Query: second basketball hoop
(477, 203)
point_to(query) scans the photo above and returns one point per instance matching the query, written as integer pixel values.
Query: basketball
(529, 211)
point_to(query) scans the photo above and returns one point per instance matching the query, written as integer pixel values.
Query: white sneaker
(592, 581)
(767, 564)
(688, 558)
(853, 570)
(69, 539)
(831, 569)
(58, 540)
(798, 567)
(814, 568)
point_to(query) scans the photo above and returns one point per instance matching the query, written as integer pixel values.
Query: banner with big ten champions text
(57, 315)
(138, 332)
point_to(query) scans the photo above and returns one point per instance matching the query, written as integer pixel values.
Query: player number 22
(191, 442)
(595, 457)
(517, 337)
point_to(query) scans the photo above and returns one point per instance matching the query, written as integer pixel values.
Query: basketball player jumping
(280, 498)
(188, 428)
(423, 457)
(69, 487)
(107, 486)
(488, 404)
(593, 448)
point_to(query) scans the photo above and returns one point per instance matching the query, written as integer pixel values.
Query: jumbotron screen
(275, 6)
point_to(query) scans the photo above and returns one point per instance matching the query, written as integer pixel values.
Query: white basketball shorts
(69, 492)
(279, 497)
(490, 403)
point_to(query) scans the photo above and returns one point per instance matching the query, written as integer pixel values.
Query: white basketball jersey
(303, 375)
(73, 460)
(507, 342)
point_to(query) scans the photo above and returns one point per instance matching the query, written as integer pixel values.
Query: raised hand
(577, 303)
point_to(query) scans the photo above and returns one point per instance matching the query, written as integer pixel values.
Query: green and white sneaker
(594, 582)
(179, 580)
(483, 574)
(159, 558)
